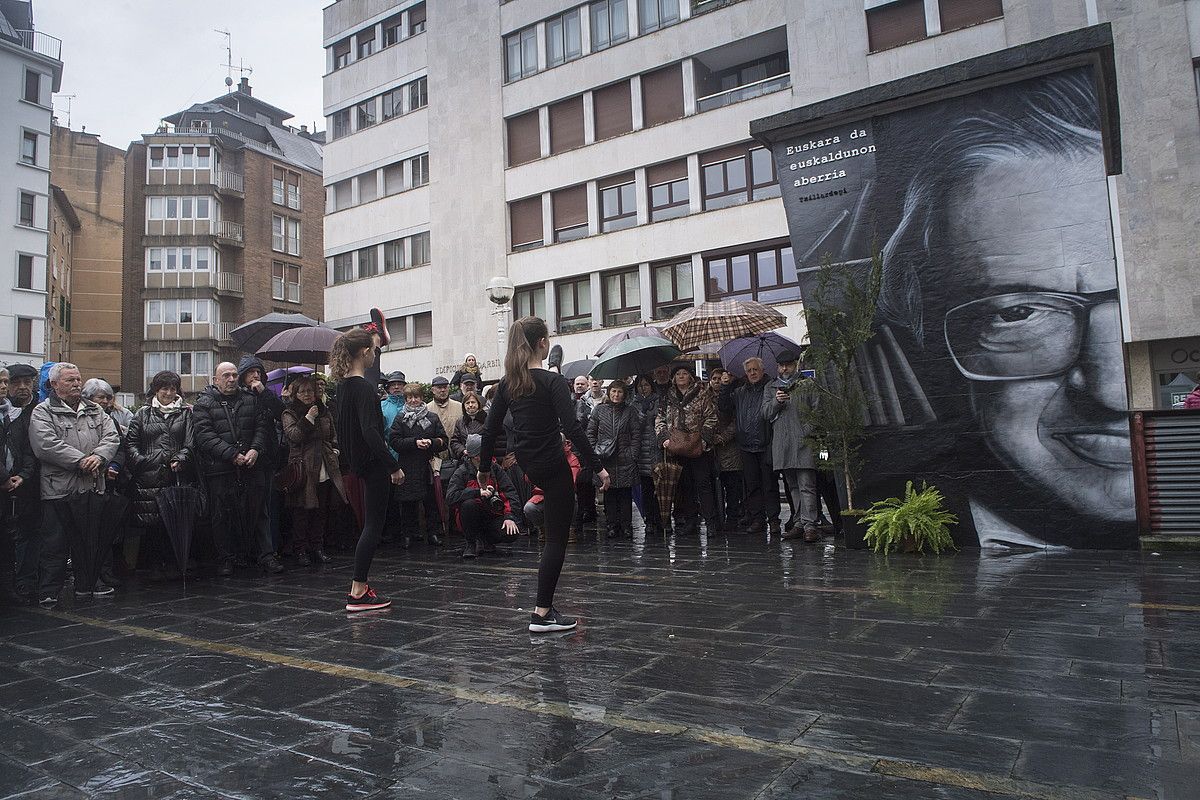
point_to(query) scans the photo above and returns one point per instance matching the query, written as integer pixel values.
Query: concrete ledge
(1173, 543)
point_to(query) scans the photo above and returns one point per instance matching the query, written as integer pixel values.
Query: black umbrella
(301, 345)
(252, 335)
(91, 520)
(575, 369)
(180, 507)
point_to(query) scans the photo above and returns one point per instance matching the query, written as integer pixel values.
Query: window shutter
(896, 24)
(662, 95)
(570, 207)
(566, 125)
(724, 154)
(964, 13)
(613, 107)
(662, 173)
(615, 180)
(525, 219)
(524, 139)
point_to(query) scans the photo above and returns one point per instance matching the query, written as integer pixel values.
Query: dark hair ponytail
(523, 338)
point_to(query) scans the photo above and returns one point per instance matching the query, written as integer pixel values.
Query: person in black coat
(158, 453)
(231, 431)
(20, 491)
(618, 426)
(472, 421)
(417, 436)
(486, 515)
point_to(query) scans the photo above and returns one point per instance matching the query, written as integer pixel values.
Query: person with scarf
(417, 436)
(473, 420)
(687, 413)
(786, 404)
(158, 447)
(312, 441)
(615, 432)
(470, 366)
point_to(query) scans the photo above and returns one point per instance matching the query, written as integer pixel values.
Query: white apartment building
(30, 72)
(598, 153)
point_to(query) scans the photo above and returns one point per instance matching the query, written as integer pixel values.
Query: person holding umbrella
(614, 431)
(74, 439)
(158, 450)
(312, 442)
(361, 437)
(686, 427)
(542, 410)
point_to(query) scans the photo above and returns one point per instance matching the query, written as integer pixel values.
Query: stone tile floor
(722, 668)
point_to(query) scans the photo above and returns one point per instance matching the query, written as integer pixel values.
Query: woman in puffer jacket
(618, 422)
(687, 407)
(158, 446)
(646, 401)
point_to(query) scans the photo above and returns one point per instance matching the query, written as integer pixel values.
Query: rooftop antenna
(229, 66)
(68, 98)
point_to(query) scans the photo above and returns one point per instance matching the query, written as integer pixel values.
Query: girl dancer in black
(542, 411)
(361, 439)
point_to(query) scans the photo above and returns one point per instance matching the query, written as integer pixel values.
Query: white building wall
(17, 117)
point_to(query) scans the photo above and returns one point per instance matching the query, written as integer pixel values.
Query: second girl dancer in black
(542, 411)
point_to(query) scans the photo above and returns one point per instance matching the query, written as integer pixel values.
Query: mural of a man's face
(1037, 327)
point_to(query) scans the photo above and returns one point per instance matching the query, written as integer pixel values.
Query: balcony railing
(230, 283)
(42, 44)
(231, 232)
(230, 181)
(739, 93)
(222, 330)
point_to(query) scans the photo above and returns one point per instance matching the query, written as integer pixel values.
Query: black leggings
(559, 507)
(377, 488)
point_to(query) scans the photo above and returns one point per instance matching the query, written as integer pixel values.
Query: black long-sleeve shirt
(538, 422)
(360, 427)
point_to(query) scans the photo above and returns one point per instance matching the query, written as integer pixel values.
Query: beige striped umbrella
(721, 320)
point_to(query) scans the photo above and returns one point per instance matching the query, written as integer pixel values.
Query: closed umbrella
(252, 335)
(180, 507)
(652, 331)
(307, 345)
(718, 320)
(574, 369)
(91, 520)
(666, 474)
(766, 346)
(634, 356)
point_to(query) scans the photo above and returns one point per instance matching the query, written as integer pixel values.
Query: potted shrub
(910, 524)
(840, 315)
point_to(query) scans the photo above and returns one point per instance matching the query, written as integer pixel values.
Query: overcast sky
(132, 62)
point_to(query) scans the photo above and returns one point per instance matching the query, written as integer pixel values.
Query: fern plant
(917, 521)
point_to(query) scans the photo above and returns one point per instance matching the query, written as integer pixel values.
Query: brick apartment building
(64, 229)
(223, 208)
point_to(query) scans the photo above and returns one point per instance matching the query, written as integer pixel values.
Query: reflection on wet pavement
(703, 668)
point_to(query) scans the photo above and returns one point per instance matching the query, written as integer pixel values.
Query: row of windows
(412, 330)
(180, 259)
(367, 262)
(766, 274)
(608, 24)
(365, 42)
(393, 103)
(740, 70)
(180, 311)
(186, 207)
(729, 176)
(187, 364)
(401, 176)
(180, 157)
(285, 235)
(903, 21)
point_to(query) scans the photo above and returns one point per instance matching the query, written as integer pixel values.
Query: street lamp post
(500, 291)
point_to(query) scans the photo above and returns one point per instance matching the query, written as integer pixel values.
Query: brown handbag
(684, 444)
(291, 478)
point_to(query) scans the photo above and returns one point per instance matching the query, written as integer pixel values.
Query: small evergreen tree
(840, 314)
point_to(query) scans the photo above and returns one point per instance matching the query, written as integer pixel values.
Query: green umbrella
(634, 357)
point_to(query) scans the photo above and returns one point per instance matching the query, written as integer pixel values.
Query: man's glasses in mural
(1021, 335)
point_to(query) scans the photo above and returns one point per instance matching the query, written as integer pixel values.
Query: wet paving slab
(724, 668)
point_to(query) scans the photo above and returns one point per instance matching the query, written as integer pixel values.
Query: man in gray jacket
(74, 439)
(785, 406)
(744, 404)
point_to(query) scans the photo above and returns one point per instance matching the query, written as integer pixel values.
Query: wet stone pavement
(737, 668)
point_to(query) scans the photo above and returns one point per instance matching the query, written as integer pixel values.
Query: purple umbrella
(632, 333)
(766, 346)
(277, 377)
(302, 345)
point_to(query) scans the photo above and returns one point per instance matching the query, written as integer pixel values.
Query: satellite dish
(229, 81)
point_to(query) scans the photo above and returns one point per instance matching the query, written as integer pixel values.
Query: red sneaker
(368, 601)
